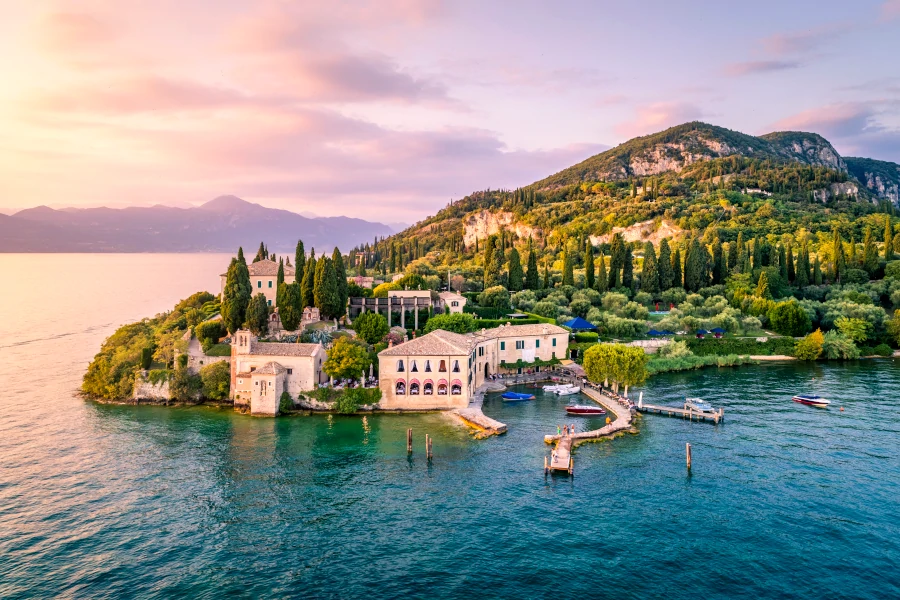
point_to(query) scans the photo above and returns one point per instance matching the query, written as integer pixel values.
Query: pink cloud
(759, 66)
(890, 10)
(653, 117)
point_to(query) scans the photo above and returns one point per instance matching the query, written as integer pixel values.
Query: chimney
(391, 343)
(414, 335)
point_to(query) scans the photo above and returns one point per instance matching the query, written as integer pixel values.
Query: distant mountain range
(220, 225)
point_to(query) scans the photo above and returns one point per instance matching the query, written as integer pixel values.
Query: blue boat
(516, 397)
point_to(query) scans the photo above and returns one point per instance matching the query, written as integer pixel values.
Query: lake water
(116, 501)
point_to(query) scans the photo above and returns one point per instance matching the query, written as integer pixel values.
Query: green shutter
(503, 345)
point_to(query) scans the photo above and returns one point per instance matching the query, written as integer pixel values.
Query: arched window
(414, 388)
(414, 368)
(456, 388)
(400, 368)
(401, 388)
(442, 387)
(442, 368)
(428, 389)
(428, 366)
(456, 366)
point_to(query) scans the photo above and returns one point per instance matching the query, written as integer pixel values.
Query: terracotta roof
(282, 349)
(436, 343)
(270, 368)
(266, 268)
(519, 330)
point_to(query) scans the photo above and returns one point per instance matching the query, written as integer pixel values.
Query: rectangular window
(520, 344)
(537, 343)
(503, 345)
(290, 371)
(270, 283)
(554, 342)
(270, 303)
(481, 351)
(259, 284)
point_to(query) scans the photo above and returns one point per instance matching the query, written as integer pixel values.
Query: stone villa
(264, 278)
(261, 371)
(442, 370)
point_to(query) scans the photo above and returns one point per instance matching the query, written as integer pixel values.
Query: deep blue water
(783, 500)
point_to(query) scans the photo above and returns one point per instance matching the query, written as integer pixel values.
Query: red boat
(582, 409)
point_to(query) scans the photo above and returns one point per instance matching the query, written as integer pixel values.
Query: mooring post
(409, 441)
(545, 465)
(687, 449)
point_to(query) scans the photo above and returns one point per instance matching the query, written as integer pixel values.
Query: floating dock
(686, 413)
(561, 459)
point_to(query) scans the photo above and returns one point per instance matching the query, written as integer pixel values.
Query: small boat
(583, 409)
(552, 387)
(516, 397)
(698, 405)
(567, 390)
(811, 400)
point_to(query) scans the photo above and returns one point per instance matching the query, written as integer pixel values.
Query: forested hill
(690, 178)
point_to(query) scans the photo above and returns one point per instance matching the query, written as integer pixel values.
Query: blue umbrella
(717, 330)
(702, 332)
(579, 323)
(653, 332)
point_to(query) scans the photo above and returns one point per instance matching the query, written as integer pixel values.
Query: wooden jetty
(561, 459)
(685, 413)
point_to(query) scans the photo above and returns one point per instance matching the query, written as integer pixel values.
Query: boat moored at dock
(584, 409)
(516, 397)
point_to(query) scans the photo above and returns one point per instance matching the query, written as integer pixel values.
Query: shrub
(580, 307)
(643, 298)
(371, 326)
(855, 329)
(675, 350)
(883, 350)
(219, 350)
(810, 347)
(674, 296)
(457, 323)
(854, 276)
(285, 403)
(209, 332)
(741, 346)
(184, 386)
(546, 309)
(586, 336)
(837, 346)
(633, 310)
(892, 269)
(494, 297)
(216, 380)
(351, 399)
(146, 358)
(614, 301)
(492, 323)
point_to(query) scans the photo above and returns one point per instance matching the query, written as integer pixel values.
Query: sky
(388, 109)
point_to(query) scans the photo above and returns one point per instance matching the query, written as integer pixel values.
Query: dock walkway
(617, 405)
(474, 417)
(687, 413)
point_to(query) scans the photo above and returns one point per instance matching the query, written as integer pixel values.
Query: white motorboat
(552, 387)
(567, 390)
(698, 404)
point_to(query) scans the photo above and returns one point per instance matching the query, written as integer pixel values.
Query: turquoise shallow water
(115, 501)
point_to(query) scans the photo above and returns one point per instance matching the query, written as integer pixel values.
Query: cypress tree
(757, 254)
(568, 272)
(782, 263)
(340, 275)
(870, 254)
(732, 261)
(299, 261)
(546, 285)
(801, 277)
(676, 269)
(694, 267)
(261, 253)
(817, 272)
(326, 292)
(741, 250)
(236, 295)
(789, 262)
(589, 265)
(616, 260)
(279, 279)
(664, 265)
(241, 256)
(839, 262)
(532, 277)
(762, 287)
(650, 272)
(602, 278)
(516, 277)
(258, 314)
(308, 283)
(628, 269)
(888, 239)
(491, 275)
(718, 263)
(289, 306)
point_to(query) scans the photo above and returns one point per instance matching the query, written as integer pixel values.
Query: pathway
(613, 403)
(473, 416)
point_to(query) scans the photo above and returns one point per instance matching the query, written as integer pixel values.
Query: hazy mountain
(220, 225)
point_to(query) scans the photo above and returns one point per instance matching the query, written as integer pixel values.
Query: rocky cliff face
(481, 224)
(880, 177)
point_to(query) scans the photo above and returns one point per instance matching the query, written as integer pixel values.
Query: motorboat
(697, 404)
(516, 397)
(552, 387)
(811, 400)
(567, 390)
(584, 409)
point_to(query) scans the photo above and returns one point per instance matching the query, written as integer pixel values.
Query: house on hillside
(442, 370)
(452, 301)
(264, 278)
(262, 371)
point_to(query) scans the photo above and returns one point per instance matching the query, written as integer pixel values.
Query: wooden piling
(409, 441)
(546, 467)
(687, 450)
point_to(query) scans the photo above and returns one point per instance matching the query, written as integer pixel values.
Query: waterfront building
(452, 301)
(264, 279)
(261, 371)
(442, 369)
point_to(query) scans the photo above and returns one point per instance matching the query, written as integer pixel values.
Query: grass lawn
(219, 350)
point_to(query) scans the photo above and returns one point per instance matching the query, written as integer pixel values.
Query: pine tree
(650, 272)
(888, 239)
(677, 280)
(870, 253)
(589, 265)
(307, 284)
(516, 277)
(568, 270)
(261, 253)
(340, 275)
(664, 265)
(602, 277)
(718, 263)
(628, 269)
(299, 261)
(532, 277)
(236, 295)
(789, 262)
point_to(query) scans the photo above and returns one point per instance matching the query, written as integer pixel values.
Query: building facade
(262, 371)
(442, 370)
(452, 301)
(264, 279)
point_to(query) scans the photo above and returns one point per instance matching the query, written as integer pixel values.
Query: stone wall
(145, 390)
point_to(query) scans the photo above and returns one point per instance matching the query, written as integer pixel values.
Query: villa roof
(436, 343)
(518, 330)
(282, 349)
(266, 268)
(270, 368)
